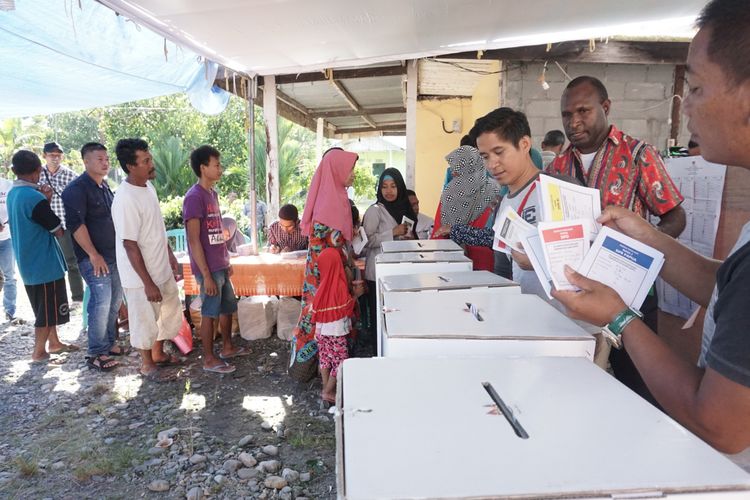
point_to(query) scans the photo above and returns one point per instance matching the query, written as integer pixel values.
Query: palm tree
(173, 175)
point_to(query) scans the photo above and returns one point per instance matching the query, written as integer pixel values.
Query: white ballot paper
(625, 264)
(563, 201)
(409, 223)
(532, 245)
(509, 229)
(359, 240)
(563, 243)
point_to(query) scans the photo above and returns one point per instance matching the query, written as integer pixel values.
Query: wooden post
(252, 199)
(319, 140)
(272, 146)
(678, 89)
(412, 70)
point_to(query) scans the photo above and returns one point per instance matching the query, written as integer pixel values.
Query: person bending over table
(285, 234)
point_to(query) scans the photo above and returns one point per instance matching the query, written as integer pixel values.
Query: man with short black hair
(552, 145)
(209, 260)
(88, 212)
(285, 235)
(58, 176)
(34, 228)
(425, 224)
(711, 399)
(628, 172)
(144, 260)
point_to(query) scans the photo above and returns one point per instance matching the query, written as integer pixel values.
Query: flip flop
(157, 376)
(170, 361)
(225, 368)
(241, 351)
(66, 348)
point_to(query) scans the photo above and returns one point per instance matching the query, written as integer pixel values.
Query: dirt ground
(72, 433)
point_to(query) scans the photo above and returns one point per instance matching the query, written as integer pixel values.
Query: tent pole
(253, 213)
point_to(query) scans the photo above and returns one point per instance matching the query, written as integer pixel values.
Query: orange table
(263, 274)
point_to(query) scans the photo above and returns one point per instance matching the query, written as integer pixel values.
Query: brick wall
(639, 94)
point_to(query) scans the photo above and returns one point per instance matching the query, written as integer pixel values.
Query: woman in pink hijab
(327, 222)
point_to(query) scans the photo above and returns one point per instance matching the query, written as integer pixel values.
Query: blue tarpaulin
(62, 55)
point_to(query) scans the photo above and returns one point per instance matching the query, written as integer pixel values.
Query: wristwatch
(613, 331)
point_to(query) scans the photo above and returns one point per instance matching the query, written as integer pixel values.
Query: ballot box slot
(506, 411)
(474, 310)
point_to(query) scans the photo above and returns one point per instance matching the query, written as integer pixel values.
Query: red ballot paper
(564, 242)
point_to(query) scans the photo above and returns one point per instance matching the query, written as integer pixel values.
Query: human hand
(627, 222)
(594, 303)
(286, 249)
(174, 264)
(209, 285)
(274, 249)
(99, 265)
(47, 191)
(358, 288)
(153, 294)
(444, 230)
(400, 230)
(521, 259)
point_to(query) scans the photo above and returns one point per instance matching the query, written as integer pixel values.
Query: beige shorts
(152, 321)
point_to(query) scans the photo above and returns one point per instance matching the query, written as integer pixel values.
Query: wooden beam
(412, 76)
(338, 74)
(348, 112)
(614, 51)
(380, 128)
(677, 89)
(352, 102)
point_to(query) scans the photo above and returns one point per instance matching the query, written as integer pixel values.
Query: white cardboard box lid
(436, 315)
(423, 428)
(444, 281)
(420, 257)
(420, 246)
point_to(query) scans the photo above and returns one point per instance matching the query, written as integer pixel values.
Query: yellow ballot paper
(564, 201)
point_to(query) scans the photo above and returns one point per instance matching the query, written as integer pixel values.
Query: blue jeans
(8, 283)
(104, 304)
(224, 302)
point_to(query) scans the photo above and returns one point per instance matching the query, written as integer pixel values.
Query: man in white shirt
(424, 223)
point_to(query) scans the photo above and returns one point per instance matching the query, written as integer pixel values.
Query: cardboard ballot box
(400, 263)
(421, 246)
(427, 428)
(478, 323)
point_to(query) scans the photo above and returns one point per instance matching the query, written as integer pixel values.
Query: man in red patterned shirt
(627, 171)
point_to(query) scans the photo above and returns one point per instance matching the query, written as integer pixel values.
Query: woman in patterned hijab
(469, 192)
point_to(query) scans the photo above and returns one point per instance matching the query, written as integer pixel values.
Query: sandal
(101, 363)
(158, 376)
(66, 348)
(241, 351)
(225, 368)
(124, 351)
(170, 361)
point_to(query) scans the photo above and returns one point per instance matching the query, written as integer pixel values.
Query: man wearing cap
(58, 176)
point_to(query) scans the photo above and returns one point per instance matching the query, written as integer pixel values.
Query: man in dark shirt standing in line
(88, 212)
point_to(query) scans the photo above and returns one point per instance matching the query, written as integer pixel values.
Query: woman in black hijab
(396, 203)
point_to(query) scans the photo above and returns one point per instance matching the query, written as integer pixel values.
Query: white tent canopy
(273, 37)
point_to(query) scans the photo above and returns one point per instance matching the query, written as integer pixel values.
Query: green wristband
(613, 331)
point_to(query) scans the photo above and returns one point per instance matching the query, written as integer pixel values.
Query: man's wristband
(613, 331)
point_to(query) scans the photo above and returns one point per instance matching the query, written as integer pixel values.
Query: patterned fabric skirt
(332, 351)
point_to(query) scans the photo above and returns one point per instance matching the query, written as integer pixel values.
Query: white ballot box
(400, 263)
(428, 428)
(421, 246)
(478, 324)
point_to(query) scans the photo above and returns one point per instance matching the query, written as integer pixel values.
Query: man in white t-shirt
(7, 265)
(144, 260)
(424, 223)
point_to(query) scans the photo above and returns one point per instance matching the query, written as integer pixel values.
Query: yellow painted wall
(433, 143)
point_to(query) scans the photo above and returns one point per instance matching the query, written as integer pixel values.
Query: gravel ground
(72, 433)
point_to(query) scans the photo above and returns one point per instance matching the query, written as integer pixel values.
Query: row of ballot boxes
(483, 392)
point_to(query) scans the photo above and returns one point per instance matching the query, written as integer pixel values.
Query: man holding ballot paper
(713, 399)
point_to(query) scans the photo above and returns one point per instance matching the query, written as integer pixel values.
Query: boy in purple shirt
(209, 259)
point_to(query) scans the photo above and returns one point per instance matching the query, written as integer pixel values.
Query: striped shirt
(280, 238)
(59, 181)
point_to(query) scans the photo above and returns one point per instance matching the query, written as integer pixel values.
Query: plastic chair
(176, 239)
